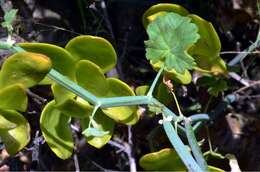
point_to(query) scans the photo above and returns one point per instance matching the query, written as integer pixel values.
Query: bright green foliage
(125, 114)
(74, 108)
(170, 36)
(61, 59)
(15, 138)
(56, 130)
(215, 84)
(89, 74)
(102, 129)
(5, 124)
(95, 49)
(13, 97)
(91, 77)
(161, 9)
(24, 68)
(163, 160)
(8, 19)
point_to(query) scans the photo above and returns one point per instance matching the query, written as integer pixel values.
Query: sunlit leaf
(13, 97)
(56, 130)
(24, 68)
(170, 36)
(5, 124)
(124, 114)
(95, 49)
(17, 138)
(90, 77)
(161, 9)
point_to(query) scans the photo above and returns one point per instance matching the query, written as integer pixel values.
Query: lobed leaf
(170, 36)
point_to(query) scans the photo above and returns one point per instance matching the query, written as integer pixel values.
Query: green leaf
(24, 68)
(215, 84)
(163, 94)
(123, 114)
(104, 127)
(61, 94)
(17, 138)
(94, 132)
(163, 160)
(10, 15)
(13, 97)
(95, 49)
(206, 50)
(56, 130)
(5, 124)
(170, 36)
(61, 59)
(161, 9)
(75, 108)
(91, 77)
(142, 90)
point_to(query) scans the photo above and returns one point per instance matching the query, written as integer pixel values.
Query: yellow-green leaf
(17, 138)
(124, 114)
(24, 68)
(61, 59)
(5, 124)
(91, 77)
(163, 160)
(56, 130)
(103, 124)
(142, 90)
(13, 97)
(75, 108)
(95, 49)
(161, 9)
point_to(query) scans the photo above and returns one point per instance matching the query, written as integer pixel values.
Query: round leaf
(163, 160)
(95, 49)
(161, 9)
(75, 108)
(5, 124)
(24, 68)
(56, 130)
(170, 36)
(17, 138)
(103, 125)
(90, 77)
(124, 114)
(13, 97)
(61, 59)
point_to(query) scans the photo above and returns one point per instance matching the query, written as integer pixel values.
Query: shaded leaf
(13, 97)
(95, 49)
(103, 124)
(56, 131)
(215, 84)
(5, 124)
(24, 68)
(17, 138)
(170, 36)
(163, 160)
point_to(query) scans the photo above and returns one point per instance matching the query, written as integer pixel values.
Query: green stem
(194, 145)
(177, 104)
(92, 115)
(150, 92)
(178, 145)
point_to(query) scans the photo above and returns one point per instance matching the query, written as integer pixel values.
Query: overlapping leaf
(170, 36)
